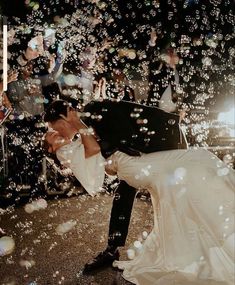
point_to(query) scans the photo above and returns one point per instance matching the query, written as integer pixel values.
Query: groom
(133, 129)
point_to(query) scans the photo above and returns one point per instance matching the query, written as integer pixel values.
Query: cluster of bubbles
(36, 205)
(137, 246)
(79, 30)
(32, 4)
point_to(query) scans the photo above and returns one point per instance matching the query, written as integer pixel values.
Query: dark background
(172, 19)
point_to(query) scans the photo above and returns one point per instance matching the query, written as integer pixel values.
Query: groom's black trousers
(120, 214)
(131, 128)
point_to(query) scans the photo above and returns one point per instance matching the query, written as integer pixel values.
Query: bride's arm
(88, 170)
(83, 157)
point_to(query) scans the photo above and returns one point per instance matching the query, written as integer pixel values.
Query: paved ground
(43, 257)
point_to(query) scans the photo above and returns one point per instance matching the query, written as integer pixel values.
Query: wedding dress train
(192, 241)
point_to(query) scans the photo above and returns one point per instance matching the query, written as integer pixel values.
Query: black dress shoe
(103, 259)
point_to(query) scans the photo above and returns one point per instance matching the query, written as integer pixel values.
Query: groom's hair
(55, 109)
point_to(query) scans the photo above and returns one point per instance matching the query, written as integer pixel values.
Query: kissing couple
(192, 191)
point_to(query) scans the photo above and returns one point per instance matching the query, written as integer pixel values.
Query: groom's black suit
(131, 128)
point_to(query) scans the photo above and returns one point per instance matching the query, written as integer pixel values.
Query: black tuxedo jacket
(133, 128)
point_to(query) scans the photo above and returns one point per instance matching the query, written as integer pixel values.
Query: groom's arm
(87, 134)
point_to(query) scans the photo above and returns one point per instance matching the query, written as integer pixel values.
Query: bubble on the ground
(65, 227)
(7, 245)
(42, 203)
(27, 263)
(36, 205)
(130, 253)
(137, 244)
(144, 235)
(29, 208)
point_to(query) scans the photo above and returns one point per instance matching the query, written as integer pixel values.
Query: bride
(192, 192)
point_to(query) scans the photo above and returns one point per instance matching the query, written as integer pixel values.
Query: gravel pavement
(44, 255)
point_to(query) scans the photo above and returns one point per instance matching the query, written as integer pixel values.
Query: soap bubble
(65, 227)
(36, 205)
(130, 253)
(7, 245)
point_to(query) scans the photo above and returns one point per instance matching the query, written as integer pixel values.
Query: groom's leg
(121, 214)
(118, 227)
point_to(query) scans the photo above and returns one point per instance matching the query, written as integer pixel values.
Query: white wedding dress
(192, 192)
(192, 241)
